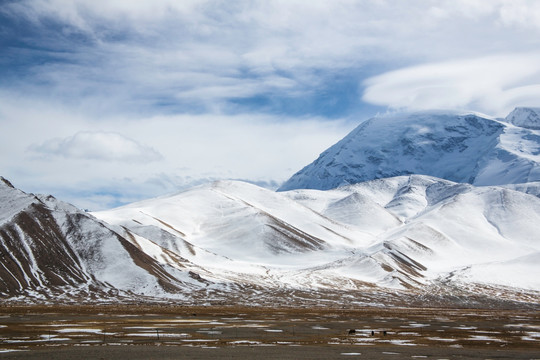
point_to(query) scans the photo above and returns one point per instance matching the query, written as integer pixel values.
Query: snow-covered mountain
(406, 233)
(50, 248)
(233, 242)
(525, 117)
(383, 239)
(467, 148)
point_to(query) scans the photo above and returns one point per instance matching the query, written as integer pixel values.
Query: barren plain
(175, 332)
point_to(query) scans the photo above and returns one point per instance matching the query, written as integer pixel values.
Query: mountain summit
(465, 148)
(525, 117)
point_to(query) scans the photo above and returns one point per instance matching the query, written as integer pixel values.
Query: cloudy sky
(112, 101)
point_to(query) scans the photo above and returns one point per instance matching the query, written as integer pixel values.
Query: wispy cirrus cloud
(99, 146)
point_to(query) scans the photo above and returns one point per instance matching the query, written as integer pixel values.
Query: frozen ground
(172, 332)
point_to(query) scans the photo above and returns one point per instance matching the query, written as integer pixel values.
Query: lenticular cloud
(493, 84)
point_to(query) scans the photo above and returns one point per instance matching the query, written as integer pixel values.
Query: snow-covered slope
(49, 247)
(447, 227)
(407, 232)
(233, 242)
(463, 148)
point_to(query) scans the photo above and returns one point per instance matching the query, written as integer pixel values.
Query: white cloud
(493, 85)
(100, 169)
(98, 145)
(203, 53)
(177, 76)
(521, 14)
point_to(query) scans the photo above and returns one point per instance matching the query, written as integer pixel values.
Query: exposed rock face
(35, 253)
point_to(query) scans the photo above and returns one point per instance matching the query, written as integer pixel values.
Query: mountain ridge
(51, 247)
(379, 241)
(243, 239)
(396, 253)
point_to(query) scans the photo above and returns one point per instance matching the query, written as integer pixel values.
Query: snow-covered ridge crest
(6, 182)
(466, 148)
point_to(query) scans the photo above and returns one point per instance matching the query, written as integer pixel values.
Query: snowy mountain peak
(4, 181)
(526, 117)
(465, 148)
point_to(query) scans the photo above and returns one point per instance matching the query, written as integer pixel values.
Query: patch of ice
(161, 335)
(81, 330)
(416, 325)
(200, 340)
(400, 342)
(440, 339)
(532, 336)
(484, 338)
(244, 342)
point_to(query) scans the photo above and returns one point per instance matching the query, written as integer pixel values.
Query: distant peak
(6, 181)
(525, 117)
(465, 148)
